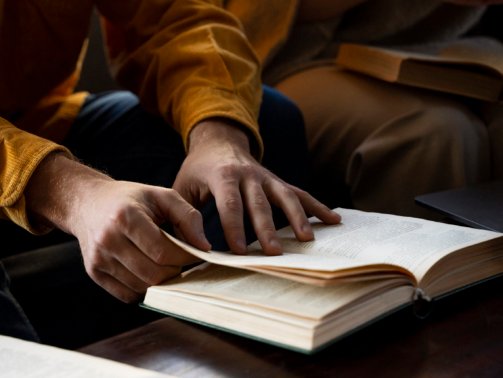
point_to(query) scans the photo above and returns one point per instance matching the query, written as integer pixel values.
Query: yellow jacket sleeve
(20, 154)
(188, 60)
(267, 24)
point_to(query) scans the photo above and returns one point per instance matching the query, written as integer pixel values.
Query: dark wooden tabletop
(461, 337)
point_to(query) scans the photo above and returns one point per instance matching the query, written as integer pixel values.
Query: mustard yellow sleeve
(20, 154)
(187, 60)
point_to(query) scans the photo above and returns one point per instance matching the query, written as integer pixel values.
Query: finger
(283, 196)
(109, 274)
(148, 249)
(315, 208)
(230, 209)
(260, 213)
(102, 260)
(123, 275)
(137, 271)
(117, 288)
(107, 260)
(173, 208)
(118, 257)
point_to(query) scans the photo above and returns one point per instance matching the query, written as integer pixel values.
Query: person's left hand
(219, 163)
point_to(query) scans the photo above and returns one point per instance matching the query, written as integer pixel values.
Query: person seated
(113, 168)
(376, 144)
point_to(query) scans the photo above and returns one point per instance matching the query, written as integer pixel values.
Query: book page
(20, 358)
(280, 297)
(361, 239)
(483, 51)
(279, 311)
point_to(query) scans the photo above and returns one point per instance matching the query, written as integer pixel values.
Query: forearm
(208, 70)
(56, 190)
(20, 155)
(116, 223)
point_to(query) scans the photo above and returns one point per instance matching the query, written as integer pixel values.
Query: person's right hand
(116, 223)
(219, 164)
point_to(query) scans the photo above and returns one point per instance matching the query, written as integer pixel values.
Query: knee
(439, 142)
(442, 143)
(452, 132)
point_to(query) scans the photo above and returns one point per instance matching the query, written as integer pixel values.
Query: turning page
(362, 239)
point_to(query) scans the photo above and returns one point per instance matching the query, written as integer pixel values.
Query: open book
(471, 67)
(316, 292)
(27, 359)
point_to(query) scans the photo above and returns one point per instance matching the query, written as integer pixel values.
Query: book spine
(422, 305)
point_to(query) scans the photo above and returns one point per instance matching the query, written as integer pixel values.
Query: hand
(219, 163)
(116, 223)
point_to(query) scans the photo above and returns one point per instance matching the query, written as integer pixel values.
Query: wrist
(218, 131)
(55, 190)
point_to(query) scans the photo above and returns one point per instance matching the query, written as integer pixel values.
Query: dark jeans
(114, 134)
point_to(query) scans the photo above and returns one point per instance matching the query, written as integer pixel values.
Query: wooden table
(462, 337)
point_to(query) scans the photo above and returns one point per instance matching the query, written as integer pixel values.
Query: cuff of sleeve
(230, 108)
(23, 152)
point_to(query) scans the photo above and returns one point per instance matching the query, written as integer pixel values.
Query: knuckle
(102, 240)
(190, 217)
(232, 173)
(170, 192)
(286, 195)
(193, 215)
(287, 192)
(233, 203)
(95, 261)
(260, 202)
(228, 171)
(160, 256)
(300, 193)
(268, 230)
(249, 170)
(121, 218)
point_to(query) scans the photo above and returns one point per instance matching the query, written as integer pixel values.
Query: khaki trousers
(382, 144)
